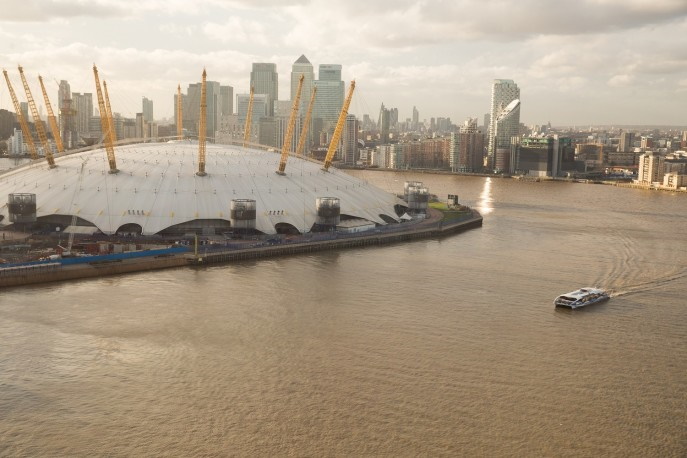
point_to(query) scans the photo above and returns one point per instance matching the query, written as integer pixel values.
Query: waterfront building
(503, 93)
(265, 80)
(505, 127)
(179, 202)
(651, 168)
(542, 156)
(467, 148)
(674, 180)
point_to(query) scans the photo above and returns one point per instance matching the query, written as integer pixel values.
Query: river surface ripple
(438, 347)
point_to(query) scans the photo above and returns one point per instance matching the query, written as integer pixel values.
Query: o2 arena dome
(157, 191)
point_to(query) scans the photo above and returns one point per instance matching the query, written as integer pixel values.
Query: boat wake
(646, 285)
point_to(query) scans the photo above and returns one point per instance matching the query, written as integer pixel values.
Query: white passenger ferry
(581, 297)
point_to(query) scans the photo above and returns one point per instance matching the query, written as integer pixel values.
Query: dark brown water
(436, 347)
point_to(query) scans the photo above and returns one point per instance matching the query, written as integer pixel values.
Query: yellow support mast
(37, 122)
(110, 120)
(339, 128)
(306, 124)
(51, 119)
(28, 139)
(201, 128)
(180, 119)
(289, 130)
(105, 125)
(249, 116)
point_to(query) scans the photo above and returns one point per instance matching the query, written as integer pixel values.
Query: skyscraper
(502, 94)
(383, 125)
(626, 142)
(350, 140)
(330, 95)
(302, 67)
(82, 106)
(506, 127)
(264, 80)
(147, 110)
(226, 94)
(416, 119)
(64, 93)
(191, 108)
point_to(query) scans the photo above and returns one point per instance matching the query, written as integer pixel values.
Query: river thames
(439, 347)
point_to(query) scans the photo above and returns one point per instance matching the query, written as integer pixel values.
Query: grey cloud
(40, 11)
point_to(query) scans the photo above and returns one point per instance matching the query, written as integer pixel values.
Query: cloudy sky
(577, 62)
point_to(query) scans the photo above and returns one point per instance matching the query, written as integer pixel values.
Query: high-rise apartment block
(504, 114)
(467, 148)
(651, 168)
(264, 80)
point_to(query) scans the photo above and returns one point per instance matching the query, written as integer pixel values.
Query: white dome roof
(157, 187)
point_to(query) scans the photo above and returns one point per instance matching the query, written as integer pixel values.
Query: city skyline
(610, 61)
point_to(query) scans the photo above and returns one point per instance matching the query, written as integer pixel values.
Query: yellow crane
(105, 125)
(339, 127)
(51, 119)
(37, 122)
(20, 116)
(110, 120)
(201, 128)
(306, 123)
(249, 116)
(289, 130)
(180, 120)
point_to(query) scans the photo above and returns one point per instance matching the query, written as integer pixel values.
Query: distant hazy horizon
(589, 62)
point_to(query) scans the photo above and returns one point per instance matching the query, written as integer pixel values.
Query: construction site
(124, 207)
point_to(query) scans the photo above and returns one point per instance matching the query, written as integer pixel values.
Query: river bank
(437, 224)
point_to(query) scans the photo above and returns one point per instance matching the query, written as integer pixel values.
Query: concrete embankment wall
(92, 270)
(437, 230)
(99, 269)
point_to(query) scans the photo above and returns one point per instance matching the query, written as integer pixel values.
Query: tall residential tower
(503, 92)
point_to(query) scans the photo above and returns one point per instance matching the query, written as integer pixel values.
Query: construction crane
(249, 116)
(339, 127)
(51, 119)
(289, 130)
(37, 122)
(105, 125)
(201, 128)
(180, 120)
(22, 121)
(306, 123)
(110, 120)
